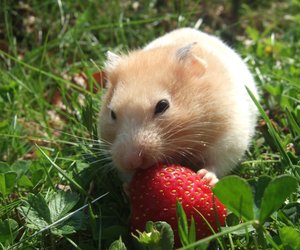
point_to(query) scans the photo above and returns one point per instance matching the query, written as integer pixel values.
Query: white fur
(230, 148)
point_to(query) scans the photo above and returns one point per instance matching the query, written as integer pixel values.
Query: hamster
(181, 99)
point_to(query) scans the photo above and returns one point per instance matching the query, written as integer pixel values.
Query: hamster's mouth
(191, 164)
(194, 164)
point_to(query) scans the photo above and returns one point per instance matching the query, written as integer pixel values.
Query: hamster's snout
(136, 150)
(136, 159)
(131, 158)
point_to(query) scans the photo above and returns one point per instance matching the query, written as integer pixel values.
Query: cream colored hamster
(181, 99)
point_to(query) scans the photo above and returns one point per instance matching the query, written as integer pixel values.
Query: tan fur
(203, 109)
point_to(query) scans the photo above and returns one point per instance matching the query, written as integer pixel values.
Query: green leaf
(36, 212)
(37, 176)
(38, 203)
(166, 235)
(118, 245)
(274, 90)
(158, 235)
(275, 194)
(61, 203)
(182, 224)
(63, 230)
(290, 237)
(77, 221)
(21, 168)
(25, 182)
(252, 33)
(192, 231)
(4, 167)
(8, 231)
(236, 194)
(2, 184)
(7, 182)
(149, 237)
(259, 185)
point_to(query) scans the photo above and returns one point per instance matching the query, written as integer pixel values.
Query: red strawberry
(153, 193)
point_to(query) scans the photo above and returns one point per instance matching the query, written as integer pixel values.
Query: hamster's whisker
(84, 138)
(100, 161)
(100, 149)
(105, 142)
(94, 155)
(190, 139)
(187, 153)
(188, 128)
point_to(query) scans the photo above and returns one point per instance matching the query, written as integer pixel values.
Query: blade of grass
(217, 235)
(55, 77)
(210, 227)
(41, 140)
(73, 182)
(293, 122)
(272, 132)
(72, 243)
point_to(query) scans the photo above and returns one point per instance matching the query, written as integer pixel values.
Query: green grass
(48, 120)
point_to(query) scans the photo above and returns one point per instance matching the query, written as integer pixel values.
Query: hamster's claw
(210, 177)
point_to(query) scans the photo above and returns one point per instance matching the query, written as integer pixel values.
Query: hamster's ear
(196, 65)
(112, 60)
(192, 63)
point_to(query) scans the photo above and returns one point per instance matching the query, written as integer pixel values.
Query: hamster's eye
(113, 115)
(161, 106)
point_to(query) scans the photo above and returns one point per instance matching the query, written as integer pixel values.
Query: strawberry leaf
(36, 212)
(236, 194)
(275, 194)
(158, 235)
(75, 222)
(63, 230)
(39, 215)
(166, 234)
(117, 245)
(61, 203)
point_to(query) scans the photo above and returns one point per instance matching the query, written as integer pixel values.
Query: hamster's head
(158, 108)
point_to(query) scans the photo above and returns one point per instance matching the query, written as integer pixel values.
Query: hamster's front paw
(210, 177)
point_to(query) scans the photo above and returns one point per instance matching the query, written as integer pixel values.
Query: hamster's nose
(137, 159)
